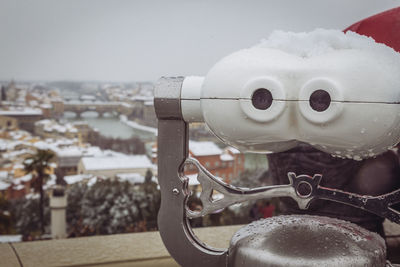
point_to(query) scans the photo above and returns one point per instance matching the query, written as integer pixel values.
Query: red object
(383, 27)
(267, 211)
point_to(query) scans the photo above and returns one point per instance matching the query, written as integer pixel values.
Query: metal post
(173, 223)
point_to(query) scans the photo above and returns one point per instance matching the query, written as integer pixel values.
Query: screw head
(175, 191)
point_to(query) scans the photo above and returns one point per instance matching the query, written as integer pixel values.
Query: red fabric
(268, 211)
(383, 27)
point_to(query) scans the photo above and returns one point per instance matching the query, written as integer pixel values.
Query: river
(110, 126)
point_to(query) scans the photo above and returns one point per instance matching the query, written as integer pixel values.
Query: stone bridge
(79, 107)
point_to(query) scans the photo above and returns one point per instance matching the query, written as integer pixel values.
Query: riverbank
(137, 126)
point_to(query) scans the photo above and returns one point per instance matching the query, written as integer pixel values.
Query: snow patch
(321, 41)
(206, 148)
(138, 126)
(10, 238)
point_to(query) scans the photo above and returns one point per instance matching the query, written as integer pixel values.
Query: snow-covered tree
(5, 216)
(39, 165)
(110, 206)
(75, 195)
(25, 213)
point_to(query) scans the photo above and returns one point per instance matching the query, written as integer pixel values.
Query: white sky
(128, 40)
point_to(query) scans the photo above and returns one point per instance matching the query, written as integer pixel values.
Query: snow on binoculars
(337, 92)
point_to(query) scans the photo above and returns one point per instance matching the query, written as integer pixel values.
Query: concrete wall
(58, 206)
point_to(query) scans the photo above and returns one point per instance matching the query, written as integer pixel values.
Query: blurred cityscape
(86, 152)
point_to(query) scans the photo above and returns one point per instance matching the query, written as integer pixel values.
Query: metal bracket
(302, 188)
(233, 195)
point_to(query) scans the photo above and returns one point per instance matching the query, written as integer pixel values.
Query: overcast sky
(116, 40)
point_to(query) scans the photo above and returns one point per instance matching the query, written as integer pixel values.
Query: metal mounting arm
(173, 223)
(303, 189)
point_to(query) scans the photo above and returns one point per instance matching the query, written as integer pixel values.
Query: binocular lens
(320, 100)
(262, 99)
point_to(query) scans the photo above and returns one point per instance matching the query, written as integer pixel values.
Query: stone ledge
(138, 249)
(7, 256)
(123, 250)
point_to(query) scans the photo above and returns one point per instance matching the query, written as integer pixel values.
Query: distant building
(26, 117)
(68, 162)
(139, 104)
(86, 133)
(11, 92)
(4, 183)
(32, 97)
(46, 110)
(225, 163)
(8, 123)
(149, 114)
(89, 98)
(52, 129)
(68, 158)
(76, 130)
(58, 108)
(111, 166)
(3, 96)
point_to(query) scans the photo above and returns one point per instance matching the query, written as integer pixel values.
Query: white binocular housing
(337, 92)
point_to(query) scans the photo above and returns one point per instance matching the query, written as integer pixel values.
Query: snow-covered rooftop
(72, 179)
(21, 112)
(72, 151)
(226, 157)
(133, 178)
(4, 186)
(16, 153)
(205, 148)
(126, 104)
(10, 238)
(25, 178)
(53, 126)
(88, 97)
(115, 163)
(16, 135)
(46, 121)
(46, 105)
(233, 150)
(142, 98)
(19, 187)
(3, 175)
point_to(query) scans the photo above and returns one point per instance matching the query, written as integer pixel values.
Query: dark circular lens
(320, 100)
(262, 99)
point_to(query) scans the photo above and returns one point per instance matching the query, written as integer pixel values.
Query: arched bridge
(79, 107)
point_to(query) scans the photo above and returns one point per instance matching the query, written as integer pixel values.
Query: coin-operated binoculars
(342, 98)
